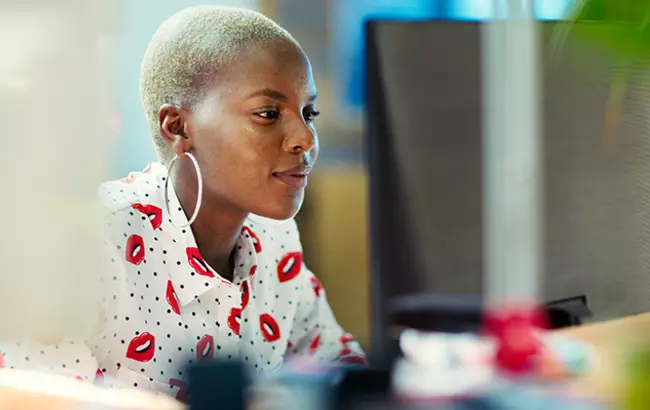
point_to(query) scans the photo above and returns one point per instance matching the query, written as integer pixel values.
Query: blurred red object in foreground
(516, 332)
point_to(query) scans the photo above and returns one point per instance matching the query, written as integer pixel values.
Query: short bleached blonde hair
(189, 49)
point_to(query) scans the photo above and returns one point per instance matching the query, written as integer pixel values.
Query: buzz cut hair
(188, 50)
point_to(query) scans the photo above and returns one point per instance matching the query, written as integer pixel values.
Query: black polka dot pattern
(166, 307)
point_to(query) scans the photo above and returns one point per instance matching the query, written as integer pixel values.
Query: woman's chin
(280, 212)
(276, 215)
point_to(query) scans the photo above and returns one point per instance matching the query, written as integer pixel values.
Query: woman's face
(253, 134)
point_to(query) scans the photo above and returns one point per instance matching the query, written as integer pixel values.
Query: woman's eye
(269, 115)
(311, 115)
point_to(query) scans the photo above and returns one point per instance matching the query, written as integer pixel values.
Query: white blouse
(166, 308)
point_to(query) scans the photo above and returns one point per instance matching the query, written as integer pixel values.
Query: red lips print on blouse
(205, 348)
(130, 178)
(197, 263)
(354, 359)
(256, 241)
(269, 327)
(172, 299)
(152, 212)
(289, 266)
(99, 378)
(181, 395)
(345, 339)
(134, 249)
(234, 320)
(142, 348)
(316, 285)
(245, 294)
(315, 344)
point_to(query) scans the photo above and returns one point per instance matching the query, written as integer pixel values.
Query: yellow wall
(336, 232)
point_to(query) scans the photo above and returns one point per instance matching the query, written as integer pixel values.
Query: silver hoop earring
(199, 196)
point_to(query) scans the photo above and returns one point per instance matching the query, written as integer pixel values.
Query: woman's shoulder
(138, 187)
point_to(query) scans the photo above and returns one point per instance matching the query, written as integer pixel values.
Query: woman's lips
(295, 181)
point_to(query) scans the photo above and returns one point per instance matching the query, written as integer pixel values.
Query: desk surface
(612, 340)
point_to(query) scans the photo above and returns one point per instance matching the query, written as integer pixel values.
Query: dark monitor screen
(424, 140)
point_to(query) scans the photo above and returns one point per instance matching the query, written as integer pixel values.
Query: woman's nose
(301, 139)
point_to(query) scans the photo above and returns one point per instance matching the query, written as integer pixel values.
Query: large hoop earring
(199, 196)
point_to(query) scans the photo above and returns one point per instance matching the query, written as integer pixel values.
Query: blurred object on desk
(567, 312)
(611, 345)
(436, 313)
(509, 347)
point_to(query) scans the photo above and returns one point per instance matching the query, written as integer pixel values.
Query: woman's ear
(172, 129)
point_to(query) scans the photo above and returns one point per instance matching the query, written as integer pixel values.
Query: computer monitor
(424, 140)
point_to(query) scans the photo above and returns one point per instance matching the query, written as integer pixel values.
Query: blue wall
(347, 40)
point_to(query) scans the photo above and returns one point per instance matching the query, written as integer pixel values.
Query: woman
(230, 99)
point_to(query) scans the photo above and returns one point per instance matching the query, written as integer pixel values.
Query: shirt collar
(191, 276)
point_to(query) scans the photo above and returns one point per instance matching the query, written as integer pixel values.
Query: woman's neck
(217, 227)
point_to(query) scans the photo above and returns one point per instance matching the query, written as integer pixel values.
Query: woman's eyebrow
(277, 95)
(268, 92)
